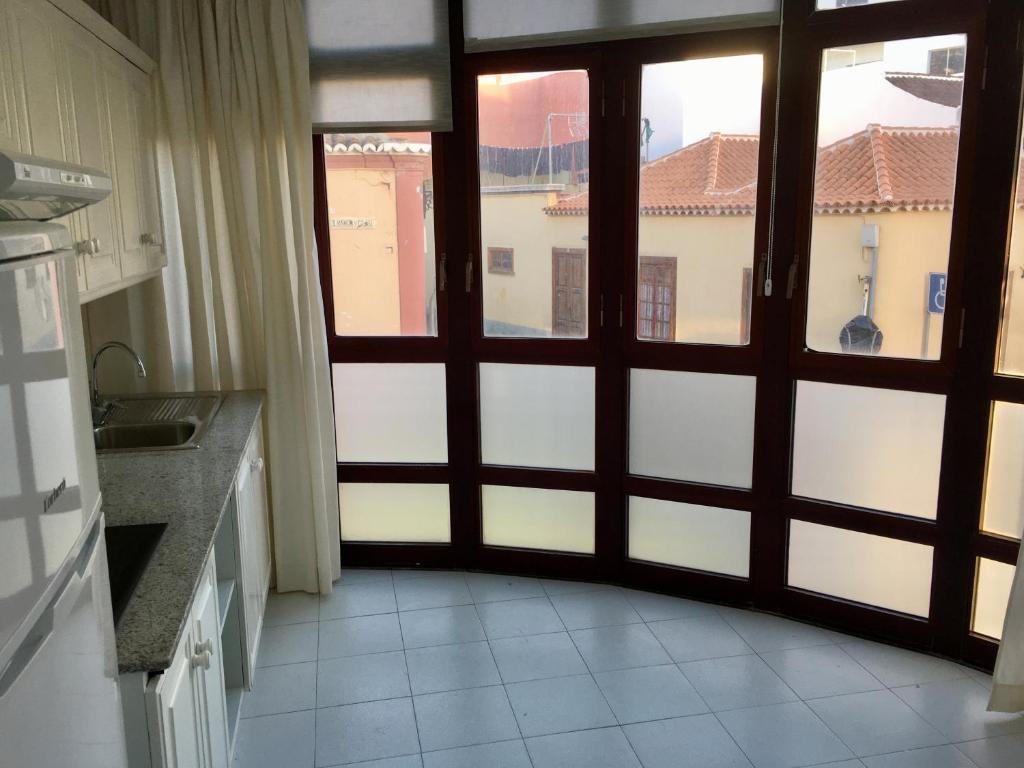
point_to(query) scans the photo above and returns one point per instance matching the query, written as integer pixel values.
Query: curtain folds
(242, 290)
(1008, 677)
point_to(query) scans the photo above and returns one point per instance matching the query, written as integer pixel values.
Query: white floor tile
(685, 742)
(958, 709)
(875, 723)
(432, 590)
(358, 599)
(501, 754)
(705, 637)
(362, 732)
(287, 644)
(291, 608)
(594, 609)
(275, 741)
(451, 667)
(1000, 752)
(621, 647)
(929, 757)
(536, 657)
(355, 679)
(359, 635)
(284, 688)
(649, 693)
(519, 618)
(559, 705)
(736, 682)
(490, 587)
(896, 667)
(441, 626)
(783, 736)
(822, 670)
(464, 718)
(601, 748)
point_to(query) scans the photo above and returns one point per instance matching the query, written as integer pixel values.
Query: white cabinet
(253, 546)
(67, 94)
(186, 703)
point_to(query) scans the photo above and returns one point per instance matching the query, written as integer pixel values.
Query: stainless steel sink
(169, 434)
(157, 422)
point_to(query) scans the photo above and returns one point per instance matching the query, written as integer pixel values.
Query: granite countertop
(188, 490)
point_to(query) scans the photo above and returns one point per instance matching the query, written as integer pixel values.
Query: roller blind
(381, 65)
(502, 24)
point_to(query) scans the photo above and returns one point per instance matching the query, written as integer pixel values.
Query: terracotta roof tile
(879, 168)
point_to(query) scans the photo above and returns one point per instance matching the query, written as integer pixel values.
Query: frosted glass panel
(537, 416)
(861, 567)
(690, 535)
(538, 518)
(874, 448)
(391, 412)
(1004, 480)
(394, 512)
(991, 597)
(692, 426)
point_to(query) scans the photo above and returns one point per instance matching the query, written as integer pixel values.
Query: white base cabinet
(185, 705)
(187, 715)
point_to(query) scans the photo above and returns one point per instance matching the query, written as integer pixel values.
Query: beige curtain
(1008, 678)
(241, 294)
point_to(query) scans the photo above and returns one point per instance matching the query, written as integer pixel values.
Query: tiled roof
(947, 90)
(879, 168)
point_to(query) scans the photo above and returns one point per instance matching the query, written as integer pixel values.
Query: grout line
(408, 677)
(504, 689)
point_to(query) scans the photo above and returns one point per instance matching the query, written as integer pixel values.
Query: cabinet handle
(148, 238)
(205, 647)
(83, 247)
(95, 246)
(257, 464)
(202, 659)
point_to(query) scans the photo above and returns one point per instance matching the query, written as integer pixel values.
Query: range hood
(40, 189)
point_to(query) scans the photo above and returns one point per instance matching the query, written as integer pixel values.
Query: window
(499, 261)
(697, 198)
(882, 208)
(947, 61)
(533, 132)
(380, 213)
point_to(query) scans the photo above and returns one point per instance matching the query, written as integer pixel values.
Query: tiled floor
(417, 669)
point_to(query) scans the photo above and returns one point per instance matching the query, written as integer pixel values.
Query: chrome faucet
(100, 407)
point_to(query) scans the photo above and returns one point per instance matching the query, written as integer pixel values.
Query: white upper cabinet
(66, 94)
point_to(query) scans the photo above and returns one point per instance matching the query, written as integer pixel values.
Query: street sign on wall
(936, 293)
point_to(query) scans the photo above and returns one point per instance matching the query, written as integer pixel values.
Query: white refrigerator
(59, 702)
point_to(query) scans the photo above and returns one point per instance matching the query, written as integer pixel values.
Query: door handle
(202, 659)
(205, 647)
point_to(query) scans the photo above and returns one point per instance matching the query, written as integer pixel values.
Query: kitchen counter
(189, 490)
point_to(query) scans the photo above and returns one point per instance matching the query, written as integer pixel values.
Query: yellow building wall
(518, 221)
(911, 244)
(364, 259)
(711, 253)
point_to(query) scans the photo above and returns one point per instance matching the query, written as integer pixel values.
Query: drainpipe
(869, 240)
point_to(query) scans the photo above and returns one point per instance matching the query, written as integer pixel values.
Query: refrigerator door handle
(64, 598)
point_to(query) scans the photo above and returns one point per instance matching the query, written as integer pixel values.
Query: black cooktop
(129, 548)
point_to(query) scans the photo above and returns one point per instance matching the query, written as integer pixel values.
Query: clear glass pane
(534, 147)
(1003, 511)
(538, 518)
(690, 536)
(394, 512)
(869, 569)
(1010, 358)
(537, 416)
(991, 597)
(888, 133)
(391, 412)
(697, 427)
(831, 5)
(380, 208)
(698, 187)
(868, 447)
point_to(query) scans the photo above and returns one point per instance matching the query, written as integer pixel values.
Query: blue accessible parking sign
(936, 293)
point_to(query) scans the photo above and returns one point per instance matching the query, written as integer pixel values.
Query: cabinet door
(210, 673)
(152, 224)
(172, 704)
(122, 115)
(84, 107)
(9, 134)
(254, 539)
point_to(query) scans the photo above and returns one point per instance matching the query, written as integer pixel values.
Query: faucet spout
(98, 403)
